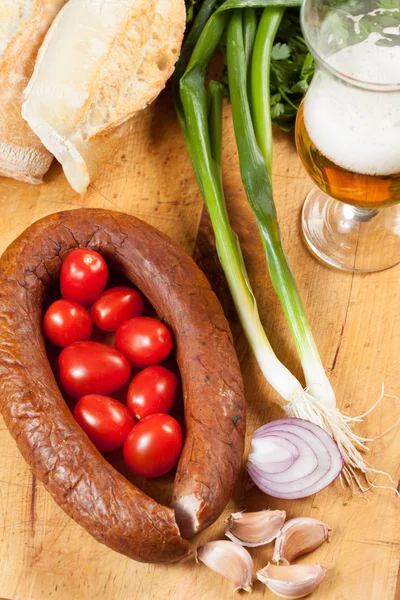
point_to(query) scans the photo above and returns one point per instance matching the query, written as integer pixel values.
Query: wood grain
(356, 322)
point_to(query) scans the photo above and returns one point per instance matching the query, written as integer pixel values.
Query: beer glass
(348, 133)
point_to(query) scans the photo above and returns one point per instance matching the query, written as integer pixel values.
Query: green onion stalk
(257, 183)
(200, 113)
(249, 47)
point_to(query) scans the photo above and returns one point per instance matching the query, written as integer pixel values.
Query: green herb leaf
(307, 70)
(275, 99)
(291, 75)
(280, 51)
(277, 110)
(299, 88)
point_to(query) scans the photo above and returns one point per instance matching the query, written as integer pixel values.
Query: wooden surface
(356, 323)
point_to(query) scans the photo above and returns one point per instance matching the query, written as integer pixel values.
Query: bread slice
(23, 25)
(101, 62)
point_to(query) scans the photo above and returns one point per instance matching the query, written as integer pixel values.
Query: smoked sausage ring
(80, 480)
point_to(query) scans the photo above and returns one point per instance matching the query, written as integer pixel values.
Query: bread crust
(22, 155)
(113, 60)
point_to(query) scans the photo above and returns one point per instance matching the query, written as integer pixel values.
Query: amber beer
(359, 189)
(348, 131)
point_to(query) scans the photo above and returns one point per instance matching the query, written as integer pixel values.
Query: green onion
(249, 45)
(260, 80)
(257, 183)
(202, 118)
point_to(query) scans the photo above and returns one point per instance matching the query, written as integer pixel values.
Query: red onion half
(293, 458)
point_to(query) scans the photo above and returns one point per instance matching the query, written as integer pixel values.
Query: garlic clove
(294, 581)
(230, 561)
(299, 536)
(255, 528)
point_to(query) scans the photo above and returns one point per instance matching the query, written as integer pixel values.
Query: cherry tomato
(116, 306)
(83, 277)
(66, 322)
(92, 368)
(144, 341)
(153, 446)
(105, 421)
(153, 390)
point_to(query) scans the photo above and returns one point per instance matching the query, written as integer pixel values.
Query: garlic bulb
(292, 582)
(299, 536)
(255, 528)
(230, 561)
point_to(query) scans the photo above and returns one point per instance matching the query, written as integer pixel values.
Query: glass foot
(348, 238)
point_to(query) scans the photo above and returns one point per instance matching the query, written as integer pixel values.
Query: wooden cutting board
(356, 323)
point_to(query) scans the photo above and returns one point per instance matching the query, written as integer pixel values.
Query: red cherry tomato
(153, 390)
(144, 341)
(116, 306)
(105, 421)
(153, 446)
(83, 276)
(92, 368)
(66, 322)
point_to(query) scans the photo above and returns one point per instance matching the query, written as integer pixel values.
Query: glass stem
(360, 215)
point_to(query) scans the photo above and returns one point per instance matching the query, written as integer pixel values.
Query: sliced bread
(23, 25)
(101, 62)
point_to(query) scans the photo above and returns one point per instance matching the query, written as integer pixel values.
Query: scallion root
(302, 405)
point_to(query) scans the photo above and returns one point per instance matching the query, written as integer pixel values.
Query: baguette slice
(101, 62)
(23, 25)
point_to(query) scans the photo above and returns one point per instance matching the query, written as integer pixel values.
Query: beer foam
(357, 129)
